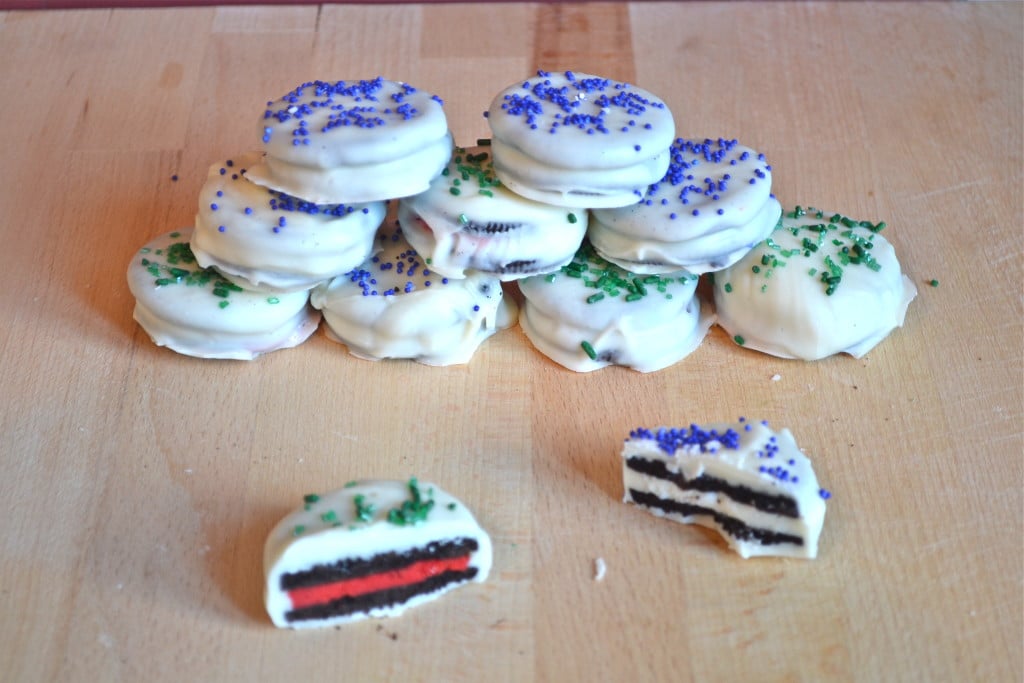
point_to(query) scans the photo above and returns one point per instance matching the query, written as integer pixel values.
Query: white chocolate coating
(713, 205)
(329, 528)
(734, 464)
(645, 322)
(353, 141)
(775, 300)
(395, 306)
(198, 313)
(579, 140)
(468, 220)
(262, 239)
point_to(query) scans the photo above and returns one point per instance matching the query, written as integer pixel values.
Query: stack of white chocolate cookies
(584, 198)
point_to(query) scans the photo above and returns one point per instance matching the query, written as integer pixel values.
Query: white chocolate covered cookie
(713, 205)
(749, 483)
(820, 284)
(352, 141)
(395, 306)
(264, 239)
(591, 314)
(468, 220)
(371, 549)
(579, 140)
(197, 312)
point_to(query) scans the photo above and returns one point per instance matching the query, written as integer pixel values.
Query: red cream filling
(414, 573)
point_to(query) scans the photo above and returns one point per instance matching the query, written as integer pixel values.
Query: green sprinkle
(589, 350)
(739, 340)
(452, 506)
(483, 142)
(455, 191)
(412, 511)
(550, 277)
(350, 484)
(487, 193)
(463, 220)
(160, 282)
(175, 234)
(594, 298)
(572, 217)
(934, 283)
(310, 498)
(329, 516)
(636, 296)
(727, 287)
(273, 300)
(224, 304)
(298, 530)
(364, 510)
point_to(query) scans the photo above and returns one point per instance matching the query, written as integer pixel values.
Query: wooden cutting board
(139, 485)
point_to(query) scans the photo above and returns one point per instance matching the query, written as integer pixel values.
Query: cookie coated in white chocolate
(713, 205)
(746, 481)
(352, 141)
(197, 312)
(264, 239)
(355, 522)
(819, 285)
(579, 140)
(468, 220)
(591, 314)
(395, 306)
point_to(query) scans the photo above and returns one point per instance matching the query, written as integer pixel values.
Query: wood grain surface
(138, 485)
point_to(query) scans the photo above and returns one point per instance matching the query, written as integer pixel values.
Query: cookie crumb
(599, 569)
